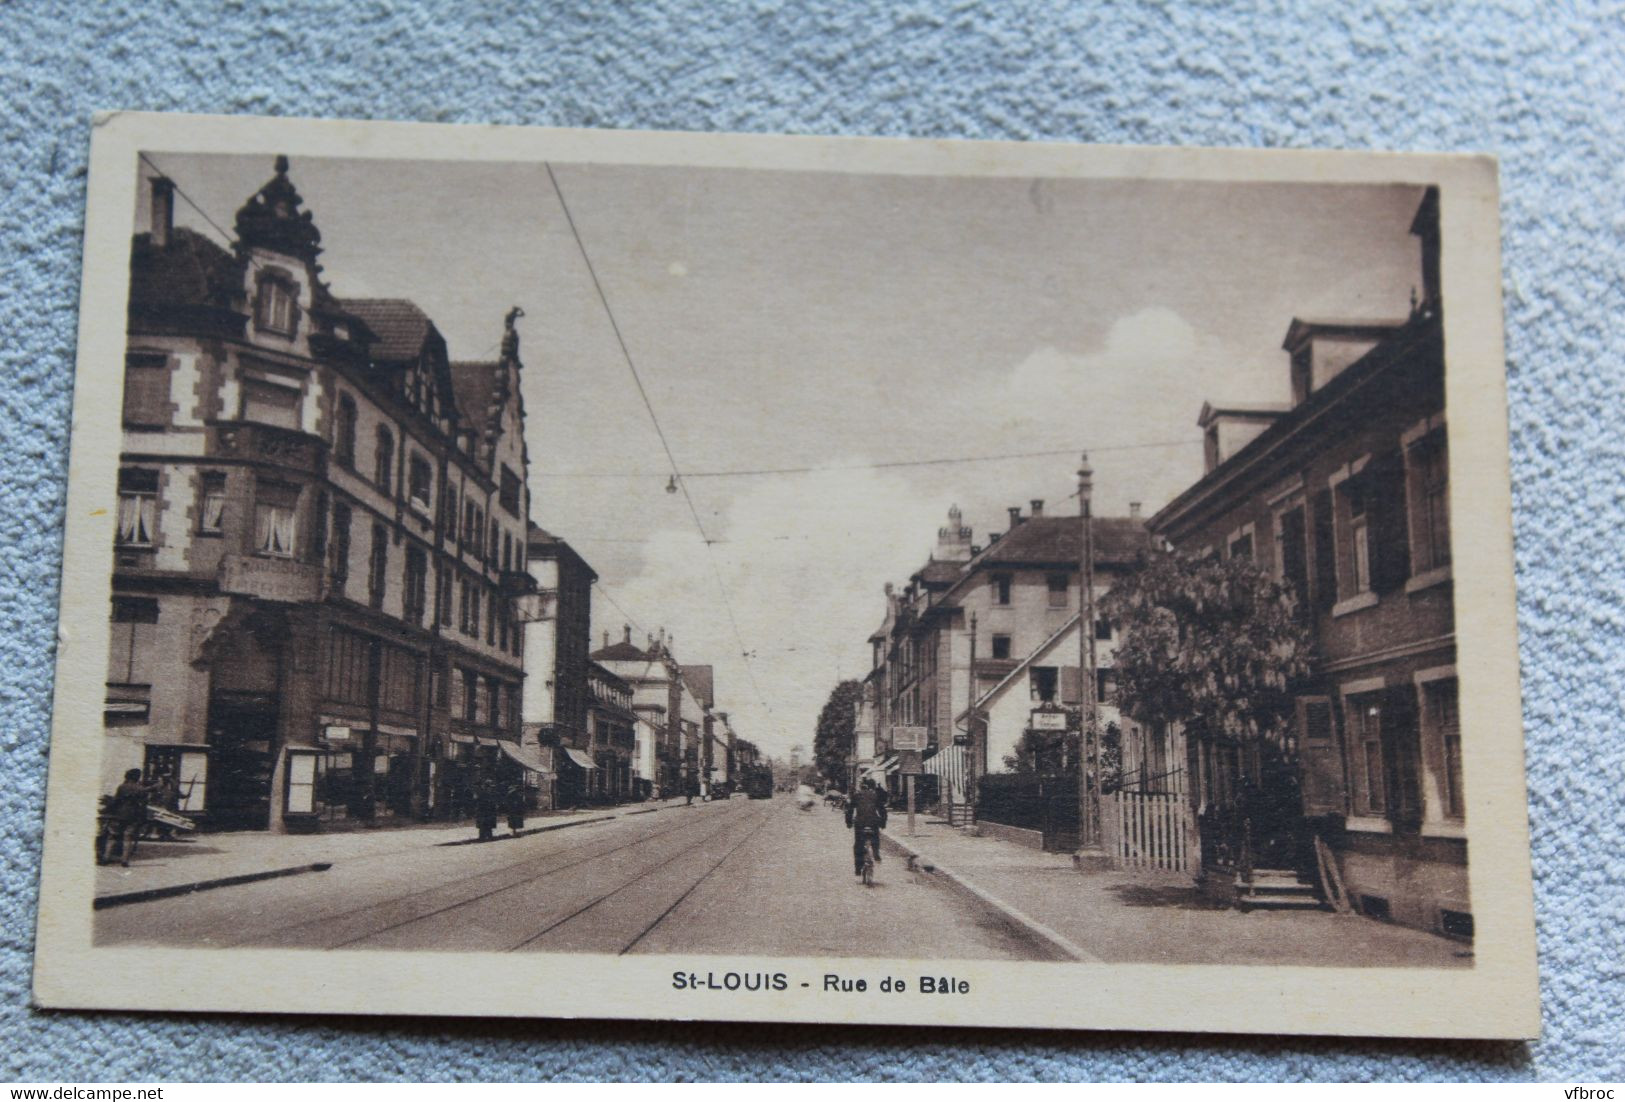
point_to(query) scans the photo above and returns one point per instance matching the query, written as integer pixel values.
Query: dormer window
(276, 305)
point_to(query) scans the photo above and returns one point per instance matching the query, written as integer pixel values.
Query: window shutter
(1390, 531)
(1320, 762)
(1325, 552)
(1070, 680)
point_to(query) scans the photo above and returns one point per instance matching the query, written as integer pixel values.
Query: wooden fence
(1152, 831)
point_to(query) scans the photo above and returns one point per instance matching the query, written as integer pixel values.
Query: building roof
(623, 651)
(190, 271)
(1422, 336)
(400, 326)
(701, 682)
(542, 544)
(1302, 328)
(1119, 541)
(475, 384)
(937, 572)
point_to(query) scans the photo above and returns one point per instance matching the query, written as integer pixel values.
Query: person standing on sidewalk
(866, 814)
(515, 806)
(126, 814)
(485, 808)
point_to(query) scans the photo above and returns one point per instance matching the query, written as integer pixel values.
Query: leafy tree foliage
(836, 723)
(1057, 752)
(1207, 643)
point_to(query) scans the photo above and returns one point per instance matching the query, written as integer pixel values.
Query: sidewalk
(207, 860)
(1120, 917)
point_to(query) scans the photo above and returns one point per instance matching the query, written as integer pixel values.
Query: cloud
(803, 560)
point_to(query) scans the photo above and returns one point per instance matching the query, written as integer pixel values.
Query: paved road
(740, 877)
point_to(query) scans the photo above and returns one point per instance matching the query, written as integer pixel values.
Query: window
(1001, 589)
(473, 527)
(276, 308)
(1044, 681)
(471, 608)
(507, 552)
(494, 545)
(448, 518)
(270, 403)
(132, 638)
(442, 595)
(146, 391)
(1291, 550)
(1058, 597)
(508, 491)
(384, 459)
(344, 433)
(1359, 542)
(340, 570)
(1365, 735)
(1242, 546)
(416, 598)
(1105, 684)
(1430, 501)
(493, 707)
(211, 504)
(419, 480)
(137, 507)
(471, 696)
(378, 566)
(491, 618)
(1001, 646)
(1103, 630)
(1439, 704)
(275, 512)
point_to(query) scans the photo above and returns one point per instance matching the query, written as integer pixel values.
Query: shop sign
(908, 738)
(1049, 721)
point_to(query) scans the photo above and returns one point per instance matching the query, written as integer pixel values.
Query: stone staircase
(959, 815)
(1277, 889)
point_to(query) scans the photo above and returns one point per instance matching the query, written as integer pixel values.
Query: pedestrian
(516, 808)
(690, 790)
(167, 795)
(126, 813)
(485, 809)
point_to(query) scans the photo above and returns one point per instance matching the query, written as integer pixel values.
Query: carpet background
(1541, 86)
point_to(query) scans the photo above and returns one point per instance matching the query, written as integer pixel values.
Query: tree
(1209, 644)
(836, 723)
(1057, 752)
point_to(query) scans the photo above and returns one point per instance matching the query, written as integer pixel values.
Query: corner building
(319, 533)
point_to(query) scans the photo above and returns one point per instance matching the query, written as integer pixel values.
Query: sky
(836, 324)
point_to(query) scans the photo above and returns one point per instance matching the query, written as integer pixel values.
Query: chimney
(1038, 506)
(606, 637)
(163, 210)
(1134, 509)
(1015, 516)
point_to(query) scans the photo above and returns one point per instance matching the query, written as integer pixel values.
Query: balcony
(270, 579)
(288, 448)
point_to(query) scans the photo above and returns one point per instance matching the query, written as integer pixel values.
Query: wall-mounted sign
(1049, 721)
(336, 734)
(908, 738)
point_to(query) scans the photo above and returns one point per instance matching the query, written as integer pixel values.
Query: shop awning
(579, 757)
(524, 755)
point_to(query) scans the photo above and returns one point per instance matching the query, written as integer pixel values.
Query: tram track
(576, 857)
(761, 821)
(486, 898)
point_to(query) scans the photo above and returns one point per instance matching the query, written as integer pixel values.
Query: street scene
(598, 559)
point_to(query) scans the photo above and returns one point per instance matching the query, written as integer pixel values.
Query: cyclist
(865, 814)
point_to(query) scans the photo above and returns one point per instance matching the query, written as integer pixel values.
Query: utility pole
(1089, 756)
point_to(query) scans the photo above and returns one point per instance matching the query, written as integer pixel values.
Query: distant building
(657, 696)
(611, 742)
(1023, 591)
(319, 532)
(556, 694)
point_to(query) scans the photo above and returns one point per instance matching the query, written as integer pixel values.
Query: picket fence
(1153, 832)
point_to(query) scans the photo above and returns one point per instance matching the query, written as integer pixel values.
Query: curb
(1056, 941)
(527, 833)
(102, 902)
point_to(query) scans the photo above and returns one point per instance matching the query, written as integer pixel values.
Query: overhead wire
(676, 471)
(747, 472)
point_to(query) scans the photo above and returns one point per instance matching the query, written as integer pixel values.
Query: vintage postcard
(553, 573)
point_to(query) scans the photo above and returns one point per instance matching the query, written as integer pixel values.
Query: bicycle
(869, 856)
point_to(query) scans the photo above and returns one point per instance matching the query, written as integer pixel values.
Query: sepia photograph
(552, 573)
